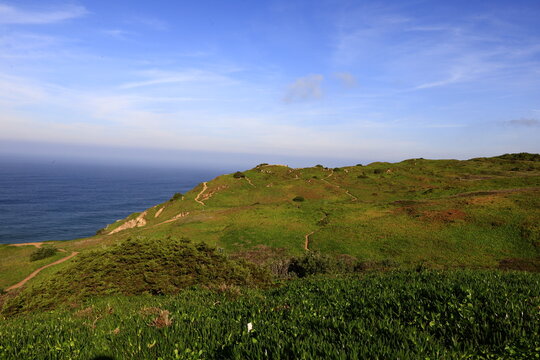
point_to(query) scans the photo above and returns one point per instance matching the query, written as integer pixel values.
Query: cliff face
(444, 212)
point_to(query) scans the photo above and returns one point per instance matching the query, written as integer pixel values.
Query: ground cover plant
(405, 315)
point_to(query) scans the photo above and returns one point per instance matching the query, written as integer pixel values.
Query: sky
(244, 82)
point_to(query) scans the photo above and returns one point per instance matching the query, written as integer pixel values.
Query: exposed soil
(205, 186)
(36, 244)
(137, 222)
(447, 216)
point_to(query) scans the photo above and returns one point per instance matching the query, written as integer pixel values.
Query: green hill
(444, 213)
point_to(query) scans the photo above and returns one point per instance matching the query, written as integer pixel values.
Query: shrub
(336, 169)
(377, 171)
(362, 176)
(43, 253)
(319, 166)
(359, 165)
(176, 197)
(238, 175)
(298, 198)
(312, 263)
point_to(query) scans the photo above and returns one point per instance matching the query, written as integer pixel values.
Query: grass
(406, 315)
(16, 264)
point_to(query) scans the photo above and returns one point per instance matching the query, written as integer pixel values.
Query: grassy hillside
(405, 315)
(444, 213)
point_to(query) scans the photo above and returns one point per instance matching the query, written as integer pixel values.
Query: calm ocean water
(51, 201)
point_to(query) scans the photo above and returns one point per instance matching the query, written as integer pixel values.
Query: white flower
(250, 326)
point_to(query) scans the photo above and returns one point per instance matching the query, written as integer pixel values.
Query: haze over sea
(44, 200)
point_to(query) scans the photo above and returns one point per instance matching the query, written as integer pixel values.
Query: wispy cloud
(117, 33)
(156, 77)
(347, 80)
(305, 88)
(523, 122)
(14, 15)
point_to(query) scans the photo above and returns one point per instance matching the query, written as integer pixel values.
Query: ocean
(42, 201)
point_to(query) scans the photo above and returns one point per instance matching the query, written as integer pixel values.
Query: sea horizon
(44, 200)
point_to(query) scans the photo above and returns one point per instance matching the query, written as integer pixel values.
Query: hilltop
(482, 212)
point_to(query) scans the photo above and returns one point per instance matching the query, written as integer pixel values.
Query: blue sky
(287, 81)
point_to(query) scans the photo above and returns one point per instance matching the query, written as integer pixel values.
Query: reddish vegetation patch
(447, 216)
(532, 265)
(261, 254)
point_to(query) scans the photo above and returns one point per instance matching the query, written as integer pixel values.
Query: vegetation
(43, 253)
(405, 315)
(132, 267)
(298, 198)
(176, 196)
(238, 175)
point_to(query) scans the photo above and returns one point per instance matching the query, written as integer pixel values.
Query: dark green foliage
(362, 176)
(313, 263)
(319, 166)
(336, 169)
(42, 253)
(298, 198)
(176, 196)
(359, 165)
(398, 315)
(378, 171)
(137, 267)
(520, 156)
(238, 175)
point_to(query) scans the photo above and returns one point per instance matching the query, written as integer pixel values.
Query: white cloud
(348, 80)
(305, 88)
(162, 77)
(12, 15)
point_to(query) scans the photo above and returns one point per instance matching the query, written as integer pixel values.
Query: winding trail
(37, 271)
(249, 181)
(353, 198)
(205, 186)
(306, 243)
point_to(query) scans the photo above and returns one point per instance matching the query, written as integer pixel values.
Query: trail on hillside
(249, 181)
(33, 274)
(205, 186)
(353, 198)
(306, 242)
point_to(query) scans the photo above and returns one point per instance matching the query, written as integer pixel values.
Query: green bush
(43, 253)
(238, 175)
(134, 267)
(336, 169)
(176, 196)
(298, 198)
(378, 171)
(312, 263)
(319, 166)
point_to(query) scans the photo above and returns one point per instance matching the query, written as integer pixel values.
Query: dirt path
(306, 243)
(32, 275)
(353, 198)
(199, 194)
(36, 244)
(249, 181)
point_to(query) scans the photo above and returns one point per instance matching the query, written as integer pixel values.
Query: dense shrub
(336, 169)
(313, 263)
(298, 198)
(378, 171)
(176, 196)
(520, 156)
(42, 253)
(238, 175)
(319, 166)
(138, 267)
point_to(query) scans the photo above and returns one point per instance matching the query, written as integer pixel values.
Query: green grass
(15, 263)
(405, 315)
